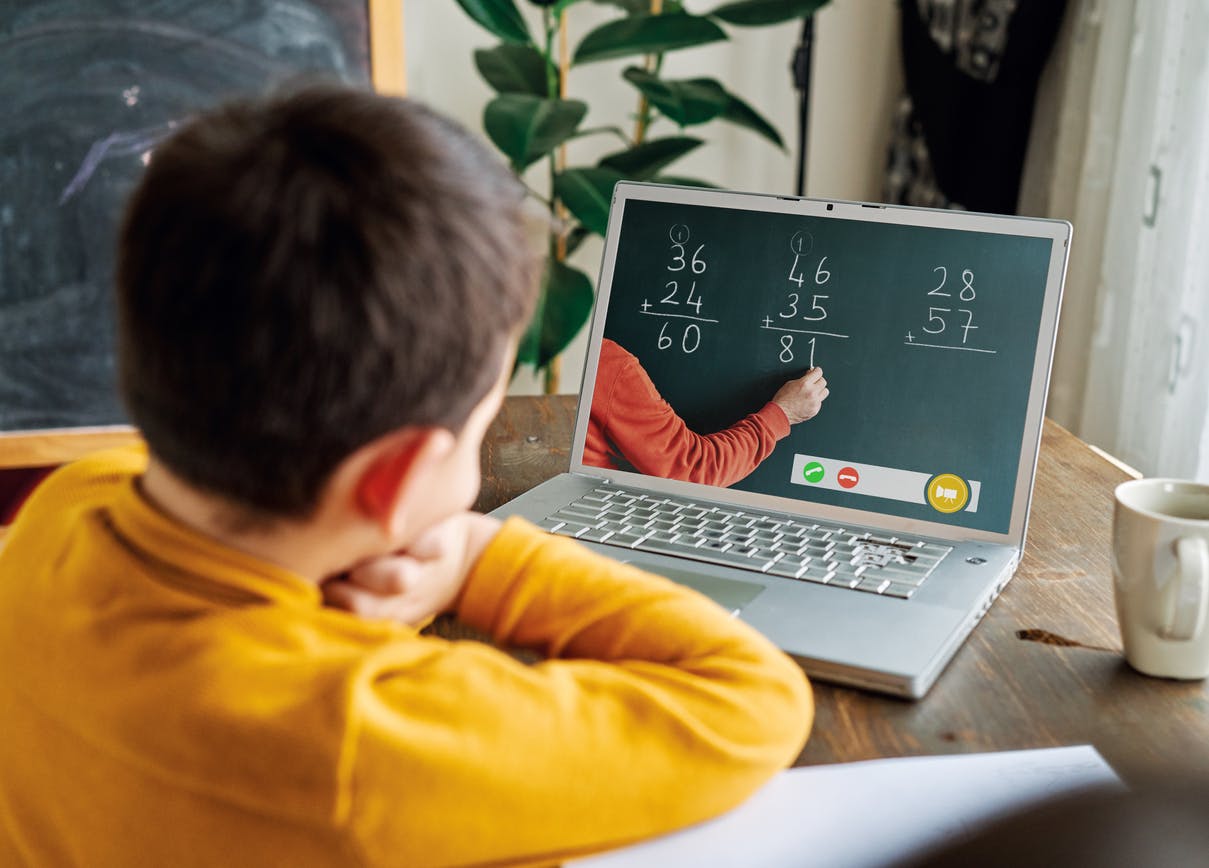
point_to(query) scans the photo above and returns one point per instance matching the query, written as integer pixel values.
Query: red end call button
(848, 477)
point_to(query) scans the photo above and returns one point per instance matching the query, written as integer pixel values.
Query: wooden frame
(387, 58)
(44, 448)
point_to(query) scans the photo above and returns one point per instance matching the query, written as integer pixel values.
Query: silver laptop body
(935, 330)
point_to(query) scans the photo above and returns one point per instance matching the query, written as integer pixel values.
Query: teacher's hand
(802, 398)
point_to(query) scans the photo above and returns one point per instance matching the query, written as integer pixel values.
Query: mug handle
(1192, 553)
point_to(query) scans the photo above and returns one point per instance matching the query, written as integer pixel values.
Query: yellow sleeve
(655, 709)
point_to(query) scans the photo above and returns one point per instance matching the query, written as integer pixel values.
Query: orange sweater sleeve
(651, 436)
(653, 709)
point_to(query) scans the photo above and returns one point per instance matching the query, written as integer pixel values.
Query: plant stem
(556, 87)
(653, 62)
(530, 191)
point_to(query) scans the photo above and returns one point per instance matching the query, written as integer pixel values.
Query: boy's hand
(414, 585)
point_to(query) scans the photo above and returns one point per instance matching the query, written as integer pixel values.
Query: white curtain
(1120, 147)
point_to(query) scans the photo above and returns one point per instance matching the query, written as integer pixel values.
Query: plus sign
(767, 321)
(910, 337)
(646, 305)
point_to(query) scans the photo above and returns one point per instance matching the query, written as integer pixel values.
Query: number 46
(821, 275)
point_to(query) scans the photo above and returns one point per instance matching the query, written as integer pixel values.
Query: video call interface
(926, 337)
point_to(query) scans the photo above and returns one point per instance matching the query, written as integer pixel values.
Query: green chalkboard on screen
(927, 337)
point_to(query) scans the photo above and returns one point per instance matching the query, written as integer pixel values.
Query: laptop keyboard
(750, 540)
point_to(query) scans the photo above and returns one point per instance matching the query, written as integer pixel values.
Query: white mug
(1160, 565)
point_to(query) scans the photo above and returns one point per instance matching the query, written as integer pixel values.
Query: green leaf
(643, 161)
(632, 7)
(739, 112)
(566, 301)
(592, 131)
(686, 101)
(513, 68)
(526, 127)
(641, 7)
(681, 181)
(501, 17)
(587, 193)
(646, 34)
(756, 13)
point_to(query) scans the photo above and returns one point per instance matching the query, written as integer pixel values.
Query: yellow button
(948, 492)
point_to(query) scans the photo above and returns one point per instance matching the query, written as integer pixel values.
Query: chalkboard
(88, 88)
(928, 338)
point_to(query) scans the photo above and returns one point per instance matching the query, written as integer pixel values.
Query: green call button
(813, 472)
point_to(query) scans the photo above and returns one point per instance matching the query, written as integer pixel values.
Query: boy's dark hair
(300, 275)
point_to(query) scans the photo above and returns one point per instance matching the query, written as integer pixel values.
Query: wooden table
(1043, 669)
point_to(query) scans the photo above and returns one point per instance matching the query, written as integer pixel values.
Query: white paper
(866, 814)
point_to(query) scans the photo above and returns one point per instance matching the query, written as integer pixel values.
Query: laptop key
(681, 548)
(747, 551)
(709, 555)
(573, 528)
(873, 586)
(844, 581)
(596, 534)
(846, 569)
(662, 536)
(551, 525)
(573, 510)
(789, 546)
(790, 566)
(816, 572)
(898, 589)
(626, 538)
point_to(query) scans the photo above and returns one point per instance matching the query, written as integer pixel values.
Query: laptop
(871, 539)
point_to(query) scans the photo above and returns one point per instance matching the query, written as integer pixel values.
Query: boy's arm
(655, 710)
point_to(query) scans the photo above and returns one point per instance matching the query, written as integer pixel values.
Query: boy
(210, 652)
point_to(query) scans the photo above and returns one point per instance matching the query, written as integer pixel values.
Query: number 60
(692, 334)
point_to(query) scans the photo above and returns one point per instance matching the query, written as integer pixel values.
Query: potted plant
(531, 118)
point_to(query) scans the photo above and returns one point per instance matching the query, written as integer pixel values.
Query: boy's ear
(396, 472)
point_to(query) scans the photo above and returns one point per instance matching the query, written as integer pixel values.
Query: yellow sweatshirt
(165, 700)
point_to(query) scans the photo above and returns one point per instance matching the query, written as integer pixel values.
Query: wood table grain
(1043, 669)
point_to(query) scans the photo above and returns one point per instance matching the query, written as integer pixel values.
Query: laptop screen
(927, 335)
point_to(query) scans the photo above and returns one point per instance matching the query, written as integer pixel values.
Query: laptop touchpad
(727, 593)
